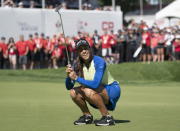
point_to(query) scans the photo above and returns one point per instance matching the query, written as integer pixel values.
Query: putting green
(46, 106)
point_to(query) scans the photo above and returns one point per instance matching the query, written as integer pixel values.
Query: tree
(130, 5)
(126, 5)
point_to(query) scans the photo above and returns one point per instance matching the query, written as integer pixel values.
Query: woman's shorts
(143, 51)
(106, 52)
(160, 45)
(154, 50)
(114, 92)
(12, 57)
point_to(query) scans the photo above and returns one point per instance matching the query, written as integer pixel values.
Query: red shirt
(57, 52)
(38, 43)
(177, 46)
(49, 46)
(71, 44)
(155, 40)
(43, 42)
(106, 41)
(146, 38)
(62, 42)
(90, 41)
(12, 50)
(54, 40)
(21, 47)
(161, 38)
(31, 44)
(113, 40)
(4, 48)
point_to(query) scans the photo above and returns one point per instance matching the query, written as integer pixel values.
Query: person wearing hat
(97, 86)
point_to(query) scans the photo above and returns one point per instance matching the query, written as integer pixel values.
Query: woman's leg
(162, 54)
(144, 57)
(14, 62)
(159, 54)
(77, 96)
(10, 61)
(54, 60)
(99, 99)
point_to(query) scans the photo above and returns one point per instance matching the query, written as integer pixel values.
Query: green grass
(38, 101)
(124, 73)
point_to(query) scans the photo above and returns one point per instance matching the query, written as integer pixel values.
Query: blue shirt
(97, 74)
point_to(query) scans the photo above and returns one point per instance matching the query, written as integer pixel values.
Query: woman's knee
(88, 92)
(73, 93)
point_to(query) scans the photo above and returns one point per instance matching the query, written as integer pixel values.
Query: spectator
(8, 3)
(114, 47)
(37, 55)
(56, 55)
(131, 44)
(106, 46)
(154, 43)
(89, 39)
(176, 45)
(63, 5)
(3, 53)
(32, 4)
(31, 54)
(168, 44)
(121, 42)
(22, 49)
(54, 40)
(12, 53)
(43, 43)
(20, 5)
(71, 48)
(62, 45)
(160, 47)
(1, 56)
(48, 49)
(143, 25)
(145, 43)
(97, 45)
(79, 36)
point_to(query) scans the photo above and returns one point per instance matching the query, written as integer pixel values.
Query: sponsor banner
(15, 21)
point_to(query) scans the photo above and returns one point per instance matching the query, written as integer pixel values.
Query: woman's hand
(73, 75)
(68, 69)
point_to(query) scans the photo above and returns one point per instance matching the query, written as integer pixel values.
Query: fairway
(45, 106)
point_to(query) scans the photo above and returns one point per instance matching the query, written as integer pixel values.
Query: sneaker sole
(79, 123)
(108, 124)
(82, 123)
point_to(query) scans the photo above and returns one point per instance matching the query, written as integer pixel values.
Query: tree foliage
(130, 5)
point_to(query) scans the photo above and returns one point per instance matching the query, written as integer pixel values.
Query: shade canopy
(170, 11)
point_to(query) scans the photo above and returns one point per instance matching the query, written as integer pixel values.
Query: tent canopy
(170, 11)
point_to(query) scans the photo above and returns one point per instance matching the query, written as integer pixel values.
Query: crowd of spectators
(40, 51)
(51, 4)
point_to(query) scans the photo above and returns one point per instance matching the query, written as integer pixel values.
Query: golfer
(97, 86)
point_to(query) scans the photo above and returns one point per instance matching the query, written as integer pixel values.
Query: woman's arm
(69, 83)
(100, 67)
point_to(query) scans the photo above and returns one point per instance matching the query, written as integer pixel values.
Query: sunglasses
(81, 48)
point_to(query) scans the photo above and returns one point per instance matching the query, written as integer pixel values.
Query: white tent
(170, 11)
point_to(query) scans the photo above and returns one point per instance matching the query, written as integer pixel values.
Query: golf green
(46, 106)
